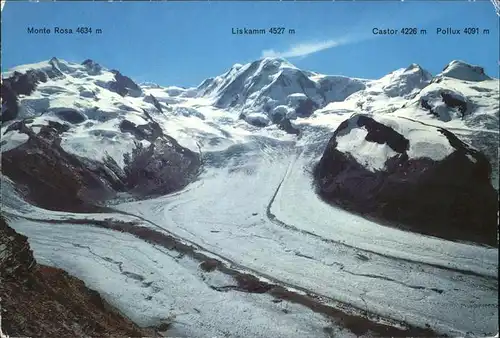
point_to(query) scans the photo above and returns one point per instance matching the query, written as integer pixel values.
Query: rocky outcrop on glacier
(413, 175)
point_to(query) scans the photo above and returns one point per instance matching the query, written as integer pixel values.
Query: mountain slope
(93, 126)
(273, 85)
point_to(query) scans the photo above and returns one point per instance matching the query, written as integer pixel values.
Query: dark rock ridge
(254, 121)
(93, 67)
(10, 108)
(287, 126)
(452, 100)
(71, 115)
(284, 124)
(76, 187)
(306, 108)
(124, 85)
(451, 198)
(141, 132)
(162, 167)
(425, 104)
(80, 184)
(24, 84)
(18, 84)
(41, 301)
(156, 103)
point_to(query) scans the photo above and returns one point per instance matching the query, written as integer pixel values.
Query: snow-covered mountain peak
(273, 86)
(93, 68)
(237, 66)
(61, 64)
(463, 71)
(405, 81)
(87, 98)
(264, 65)
(57, 68)
(243, 82)
(413, 67)
(276, 62)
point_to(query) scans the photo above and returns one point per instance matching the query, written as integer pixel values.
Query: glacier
(253, 207)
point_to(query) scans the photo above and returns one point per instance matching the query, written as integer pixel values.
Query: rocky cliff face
(414, 176)
(76, 187)
(41, 301)
(80, 184)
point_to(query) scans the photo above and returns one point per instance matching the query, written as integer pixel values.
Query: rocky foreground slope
(43, 301)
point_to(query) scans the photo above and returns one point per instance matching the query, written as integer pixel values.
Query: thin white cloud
(307, 48)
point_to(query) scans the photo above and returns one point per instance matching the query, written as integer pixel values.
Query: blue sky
(182, 43)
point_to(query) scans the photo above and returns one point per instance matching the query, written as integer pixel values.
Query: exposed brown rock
(209, 265)
(41, 301)
(80, 184)
(34, 164)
